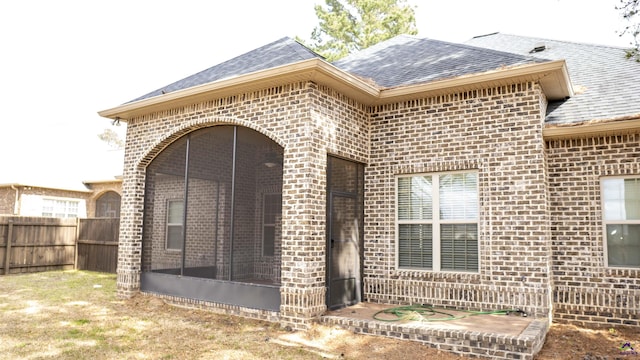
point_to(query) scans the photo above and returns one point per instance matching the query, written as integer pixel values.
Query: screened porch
(212, 220)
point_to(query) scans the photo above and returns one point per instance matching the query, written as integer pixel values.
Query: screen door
(344, 232)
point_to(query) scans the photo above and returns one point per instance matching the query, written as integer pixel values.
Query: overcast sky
(63, 61)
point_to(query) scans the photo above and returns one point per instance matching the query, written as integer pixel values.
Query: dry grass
(75, 315)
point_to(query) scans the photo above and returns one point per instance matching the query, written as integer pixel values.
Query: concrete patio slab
(488, 336)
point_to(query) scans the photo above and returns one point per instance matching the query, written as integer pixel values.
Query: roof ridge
(299, 49)
(484, 49)
(551, 40)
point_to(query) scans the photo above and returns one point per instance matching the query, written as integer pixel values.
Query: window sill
(622, 271)
(437, 275)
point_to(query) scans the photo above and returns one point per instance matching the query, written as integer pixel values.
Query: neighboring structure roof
(117, 179)
(606, 84)
(20, 185)
(281, 52)
(406, 60)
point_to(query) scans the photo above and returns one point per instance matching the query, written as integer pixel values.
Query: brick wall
(532, 201)
(99, 189)
(8, 195)
(308, 122)
(498, 132)
(587, 292)
(7, 201)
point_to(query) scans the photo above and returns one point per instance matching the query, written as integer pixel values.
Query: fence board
(42, 244)
(98, 244)
(97, 256)
(99, 229)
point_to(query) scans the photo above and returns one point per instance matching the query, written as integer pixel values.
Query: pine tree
(346, 26)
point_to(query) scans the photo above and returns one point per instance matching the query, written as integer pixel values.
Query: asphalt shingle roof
(281, 52)
(402, 60)
(406, 60)
(607, 85)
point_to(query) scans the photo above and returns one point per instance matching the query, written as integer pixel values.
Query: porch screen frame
(227, 289)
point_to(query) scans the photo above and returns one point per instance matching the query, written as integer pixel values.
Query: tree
(111, 137)
(630, 10)
(346, 26)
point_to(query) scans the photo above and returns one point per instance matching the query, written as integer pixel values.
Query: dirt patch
(573, 342)
(75, 315)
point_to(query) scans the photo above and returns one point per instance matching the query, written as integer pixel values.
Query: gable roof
(607, 85)
(398, 69)
(406, 60)
(281, 52)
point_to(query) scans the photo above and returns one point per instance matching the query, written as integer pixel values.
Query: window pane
(415, 198)
(415, 246)
(623, 245)
(108, 205)
(621, 199)
(272, 208)
(459, 196)
(459, 247)
(174, 237)
(269, 233)
(175, 212)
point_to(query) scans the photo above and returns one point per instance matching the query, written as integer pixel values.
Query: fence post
(75, 255)
(7, 255)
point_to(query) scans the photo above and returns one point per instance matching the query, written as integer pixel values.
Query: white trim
(435, 221)
(552, 75)
(598, 127)
(167, 223)
(606, 222)
(67, 201)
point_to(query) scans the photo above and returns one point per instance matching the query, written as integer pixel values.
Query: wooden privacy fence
(98, 244)
(34, 244)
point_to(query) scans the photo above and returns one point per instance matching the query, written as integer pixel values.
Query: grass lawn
(76, 315)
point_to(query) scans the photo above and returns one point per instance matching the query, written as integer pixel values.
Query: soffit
(552, 76)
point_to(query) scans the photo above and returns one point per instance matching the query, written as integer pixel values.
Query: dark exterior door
(344, 233)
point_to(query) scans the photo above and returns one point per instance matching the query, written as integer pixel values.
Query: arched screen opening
(213, 207)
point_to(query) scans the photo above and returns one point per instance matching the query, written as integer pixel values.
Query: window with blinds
(437, 221)
(621, 221)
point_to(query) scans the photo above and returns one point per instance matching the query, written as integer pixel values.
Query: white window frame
(436, 222)
(606, 221)
(170, 224)
(60, 208)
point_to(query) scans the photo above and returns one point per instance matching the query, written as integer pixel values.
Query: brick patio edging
(469, 343)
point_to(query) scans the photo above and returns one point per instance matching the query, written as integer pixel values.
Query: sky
(63, 61)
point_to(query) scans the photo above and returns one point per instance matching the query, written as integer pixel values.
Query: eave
(21, 185)
(308, 70)
(552, 75)
(599, 127)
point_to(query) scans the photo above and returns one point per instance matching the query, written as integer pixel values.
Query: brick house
(592, 149)
(99, 199)
(276, 185)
